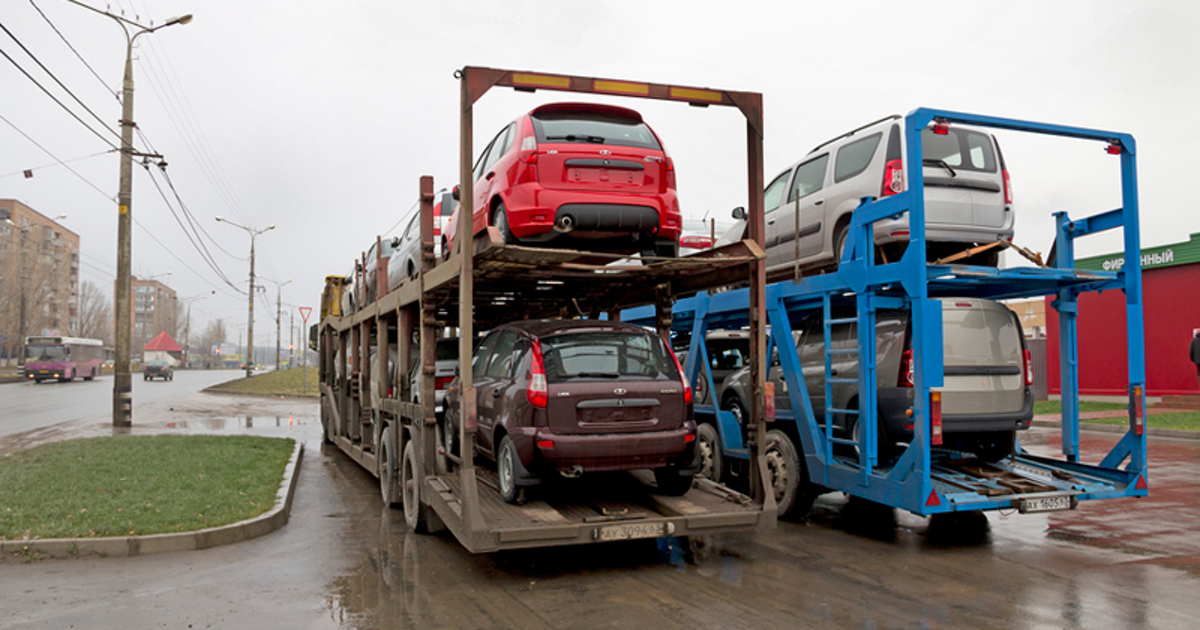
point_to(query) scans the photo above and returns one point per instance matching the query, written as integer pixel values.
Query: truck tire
(787, 478)
(388, 488)
(671, 482)
(416, 513)
(708, 440)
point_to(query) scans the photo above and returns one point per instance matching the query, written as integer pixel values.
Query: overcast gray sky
(319, 117)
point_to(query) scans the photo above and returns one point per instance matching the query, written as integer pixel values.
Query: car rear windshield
(980, 337)
(591, 127)
(607, 355)
(959, 149)
(728, 354)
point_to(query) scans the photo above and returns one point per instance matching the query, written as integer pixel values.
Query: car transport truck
(485, 282)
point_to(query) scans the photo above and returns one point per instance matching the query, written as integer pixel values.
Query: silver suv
(986, 398)
(968, 199)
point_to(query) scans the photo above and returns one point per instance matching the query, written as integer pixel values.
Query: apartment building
(39, 276)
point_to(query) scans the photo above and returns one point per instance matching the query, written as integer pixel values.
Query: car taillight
(670, 173)
(696, 242)
(538, 391)
(391, 392)
(687, 389)
(935, 418)
(1007, 188)
(1028, 367)
(893, 178)
(440, 382)
(528, 153)
(906, 370)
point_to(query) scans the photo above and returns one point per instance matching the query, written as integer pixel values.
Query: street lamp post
(123, 380)
(250, 307)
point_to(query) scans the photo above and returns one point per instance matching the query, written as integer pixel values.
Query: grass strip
(138, 485)
(1042, 407)
(282, 382)
(1183, 421)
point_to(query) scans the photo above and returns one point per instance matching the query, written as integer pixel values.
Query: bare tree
(95, 314)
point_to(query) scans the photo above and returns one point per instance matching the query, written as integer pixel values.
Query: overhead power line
(81, 59)
(59, 82)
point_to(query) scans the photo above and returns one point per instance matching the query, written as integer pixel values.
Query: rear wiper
(597, 375)
(941, 163)
(577, 138)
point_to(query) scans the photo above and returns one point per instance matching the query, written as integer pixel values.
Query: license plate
(629, 531)
(1046, 504)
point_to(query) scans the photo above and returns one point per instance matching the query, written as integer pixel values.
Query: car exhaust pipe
(565, 223)
(573, 472)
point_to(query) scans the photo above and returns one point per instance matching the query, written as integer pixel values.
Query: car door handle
(818, 202)
(771, 222)
(490, 175)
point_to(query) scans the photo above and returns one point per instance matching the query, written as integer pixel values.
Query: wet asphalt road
(343, 561)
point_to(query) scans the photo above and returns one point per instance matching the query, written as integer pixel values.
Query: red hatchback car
(576, 396)
(594, 177)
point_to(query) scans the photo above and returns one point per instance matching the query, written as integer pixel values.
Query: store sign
(1154, 259)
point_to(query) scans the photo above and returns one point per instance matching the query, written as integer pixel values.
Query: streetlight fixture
(250, 324)
(123, 380)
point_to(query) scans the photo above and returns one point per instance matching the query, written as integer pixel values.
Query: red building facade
(1171, 311)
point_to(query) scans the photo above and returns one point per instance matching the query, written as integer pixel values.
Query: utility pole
(292, 340)
(123, 380)
(250, 303)
(278, 317)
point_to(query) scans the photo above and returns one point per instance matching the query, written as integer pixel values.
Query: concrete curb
(230, 392)
(124, 546)
(1113, 428)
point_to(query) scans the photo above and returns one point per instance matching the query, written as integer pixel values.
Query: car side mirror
(454, 193)
(395, 242)
(739, 213)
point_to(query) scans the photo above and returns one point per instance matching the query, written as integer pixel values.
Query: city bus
(62, 358)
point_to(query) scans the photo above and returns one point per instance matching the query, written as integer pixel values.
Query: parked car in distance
(701, 234)
(158, 369)
(968, 196)
(987, 394)
(579, 396)
(583, 175)
(406, 259)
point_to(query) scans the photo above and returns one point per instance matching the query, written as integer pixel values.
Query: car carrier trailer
(484, 283)
(928, 479)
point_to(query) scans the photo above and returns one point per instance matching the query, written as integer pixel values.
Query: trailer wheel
(787, 478)
(387, 470)
(506, 467)
(416, 514)
(709, 443)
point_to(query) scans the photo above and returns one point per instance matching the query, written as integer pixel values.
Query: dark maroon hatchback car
(574, 396)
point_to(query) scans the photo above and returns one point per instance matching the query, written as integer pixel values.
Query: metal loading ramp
(616, 506)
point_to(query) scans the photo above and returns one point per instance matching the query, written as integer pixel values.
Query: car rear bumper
(894, 403)
(897, 231)
(606, 452)
(536, 215)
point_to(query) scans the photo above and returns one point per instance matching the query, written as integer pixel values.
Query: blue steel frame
(919, 481)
